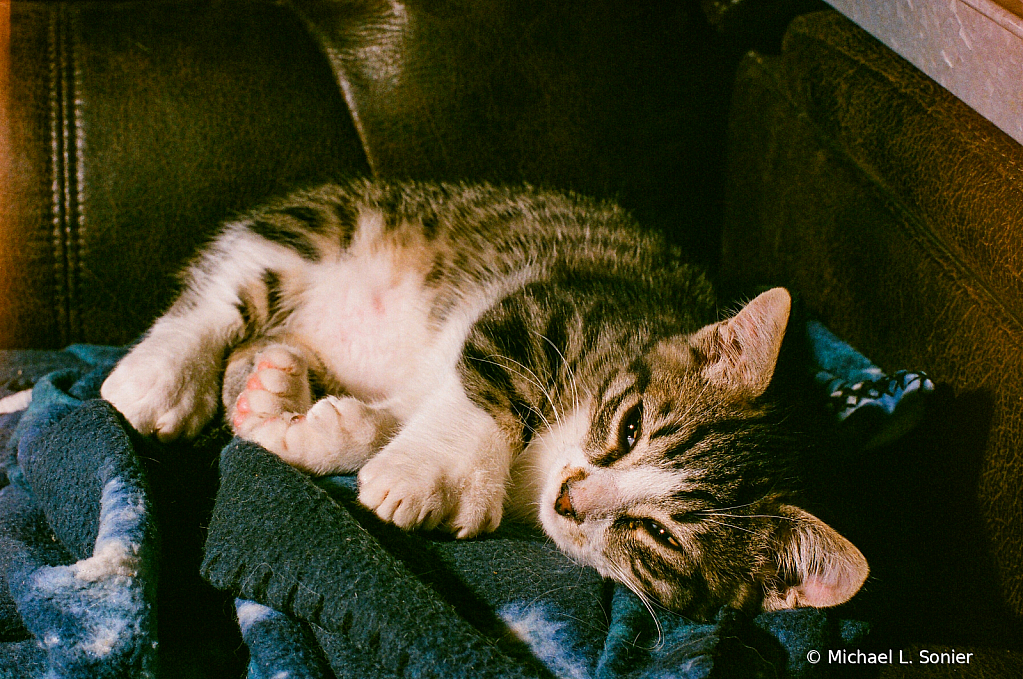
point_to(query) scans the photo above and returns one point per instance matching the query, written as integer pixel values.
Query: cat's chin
(583, 542)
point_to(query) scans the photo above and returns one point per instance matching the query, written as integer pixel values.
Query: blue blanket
(102, 541)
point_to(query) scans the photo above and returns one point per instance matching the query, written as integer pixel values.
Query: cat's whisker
(728, 509)
(523, 376)
(568, 368)
(731, 525)
(536, 382)
(696, 400)
(643, 597)
(743, 516)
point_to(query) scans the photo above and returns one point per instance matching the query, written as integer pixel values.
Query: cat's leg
(448, 467)
(268, 398)
(169, 383)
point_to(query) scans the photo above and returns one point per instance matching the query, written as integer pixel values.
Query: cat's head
(677, 478)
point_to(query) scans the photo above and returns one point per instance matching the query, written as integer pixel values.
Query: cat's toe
(176, 423)
(278, 385)
(409, 507)
(408, 500)
(281, 358)
(476, 515)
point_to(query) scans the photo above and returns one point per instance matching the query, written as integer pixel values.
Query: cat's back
(479, 230)
(395, 274)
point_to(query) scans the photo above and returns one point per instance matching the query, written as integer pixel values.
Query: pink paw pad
(275, 387)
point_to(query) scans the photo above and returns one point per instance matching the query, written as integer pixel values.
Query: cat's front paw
(414, 492)
(162, 391)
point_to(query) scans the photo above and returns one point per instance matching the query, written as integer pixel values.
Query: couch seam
(65, 170)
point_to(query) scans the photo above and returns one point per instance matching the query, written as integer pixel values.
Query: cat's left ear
(813, 565)
(740, 353)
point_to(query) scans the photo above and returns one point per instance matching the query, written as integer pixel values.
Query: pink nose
(563, 505)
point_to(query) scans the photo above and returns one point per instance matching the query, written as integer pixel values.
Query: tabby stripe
(512, 338)
(347, 219)
(694, 497)
(431, 226)
(489, 370)
(438, 271)
(246, 314)
(608, 409)
(272, 281)
(651, 569)
(667, 430)
(310, 218)
(555, 343)
(644, 576)
(277, 233)
(641, 370)
(722, 428)
(653, 562)
(529, 417)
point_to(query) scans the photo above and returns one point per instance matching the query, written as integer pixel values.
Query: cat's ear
(812, 564)
(740, 353)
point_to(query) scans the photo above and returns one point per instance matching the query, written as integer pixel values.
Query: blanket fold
(366, 595)
(78, 541)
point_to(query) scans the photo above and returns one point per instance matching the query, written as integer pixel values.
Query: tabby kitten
(475, 350)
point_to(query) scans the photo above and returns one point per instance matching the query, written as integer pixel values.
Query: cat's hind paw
(333, 436)
(278, 385)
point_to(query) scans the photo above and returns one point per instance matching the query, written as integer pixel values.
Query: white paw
(417, 490)
(334, 435)
(164, 390)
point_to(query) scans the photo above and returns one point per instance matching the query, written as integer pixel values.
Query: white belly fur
(367, 318)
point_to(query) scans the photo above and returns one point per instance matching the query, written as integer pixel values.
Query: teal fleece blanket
(104, 535)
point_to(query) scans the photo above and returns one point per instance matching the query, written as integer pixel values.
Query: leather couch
(893, 210)
(131, 129)
(135, 128)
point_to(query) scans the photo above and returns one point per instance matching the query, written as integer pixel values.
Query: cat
(473, 351)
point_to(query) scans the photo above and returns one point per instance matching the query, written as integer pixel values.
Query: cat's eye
(630, 428)
(660, 533)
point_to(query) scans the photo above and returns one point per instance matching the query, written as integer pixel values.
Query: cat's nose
(563, 505)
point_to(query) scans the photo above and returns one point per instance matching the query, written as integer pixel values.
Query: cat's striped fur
(476, 350)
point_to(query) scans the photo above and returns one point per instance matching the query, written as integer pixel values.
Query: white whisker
(731, 525)
(568, 369)
(644, 598)
(533, 379)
